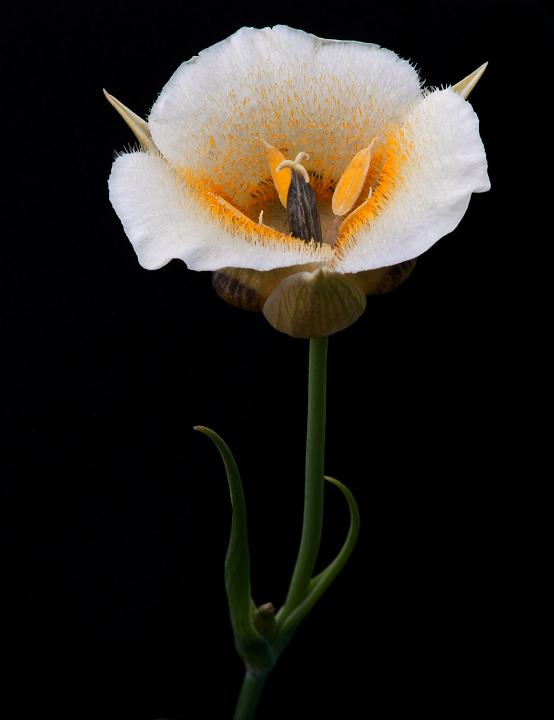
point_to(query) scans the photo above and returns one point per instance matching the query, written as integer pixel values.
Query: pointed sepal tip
(465, 86)
(138, 126)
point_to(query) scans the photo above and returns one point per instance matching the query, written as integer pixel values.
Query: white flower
(392, 168)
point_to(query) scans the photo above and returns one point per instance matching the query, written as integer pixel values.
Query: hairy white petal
(163, 221)
(445, 164)
(294, 90)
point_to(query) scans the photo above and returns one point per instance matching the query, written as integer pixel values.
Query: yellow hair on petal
(223, 210)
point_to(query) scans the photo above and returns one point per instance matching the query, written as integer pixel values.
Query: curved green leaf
(251, 645)
(321, 582)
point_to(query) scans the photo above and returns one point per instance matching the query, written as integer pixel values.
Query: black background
(118, 512)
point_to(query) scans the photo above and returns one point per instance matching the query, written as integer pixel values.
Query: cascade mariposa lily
(306, 173)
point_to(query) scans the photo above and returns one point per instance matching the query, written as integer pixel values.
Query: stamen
(358, 211)
(261, 218)
(352, 181)
(302, 210)
(281, 179)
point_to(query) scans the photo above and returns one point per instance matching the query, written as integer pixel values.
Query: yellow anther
(281, 178)
(352, 181)
(355, 213)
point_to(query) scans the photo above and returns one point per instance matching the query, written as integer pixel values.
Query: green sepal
(321, 582)
(250, 644)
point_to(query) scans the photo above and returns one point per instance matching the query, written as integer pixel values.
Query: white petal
(296, 91)
(163, 221)
(445, 163)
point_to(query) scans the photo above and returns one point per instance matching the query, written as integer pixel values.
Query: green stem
(249, 697)
(314, 487)
(313, 521)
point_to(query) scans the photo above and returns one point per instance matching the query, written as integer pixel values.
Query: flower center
(298, 204)
(292, 182)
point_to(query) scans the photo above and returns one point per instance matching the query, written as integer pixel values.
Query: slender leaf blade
(251, 645)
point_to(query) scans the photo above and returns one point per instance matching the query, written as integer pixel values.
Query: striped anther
(302, 210)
